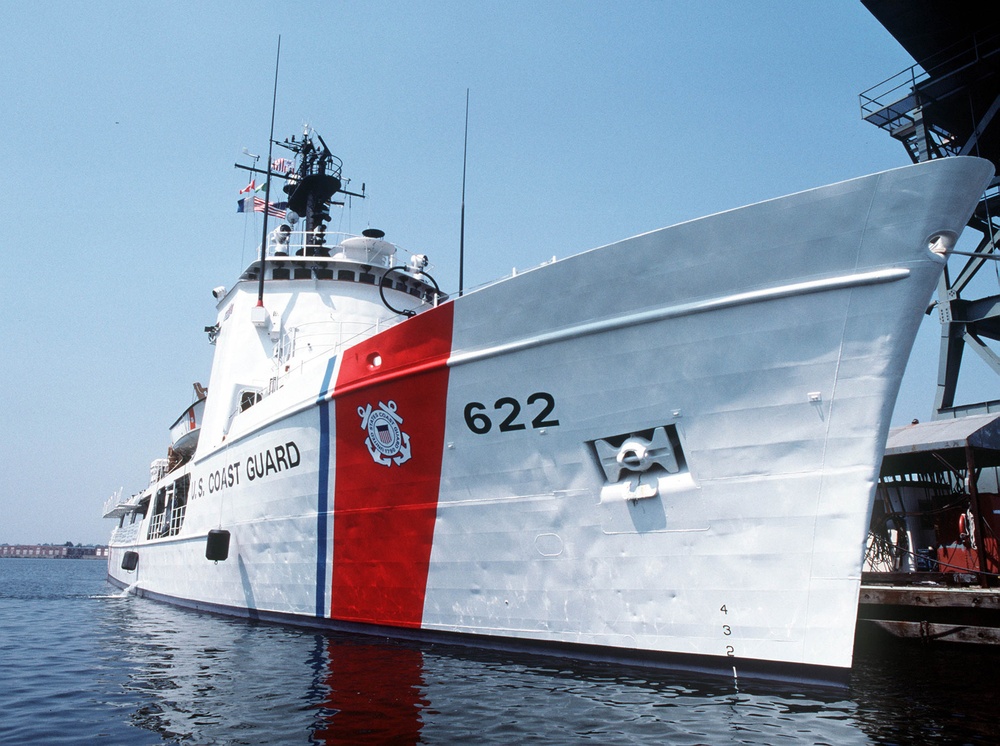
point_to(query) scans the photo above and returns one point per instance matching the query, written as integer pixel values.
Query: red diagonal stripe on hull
(384, 515)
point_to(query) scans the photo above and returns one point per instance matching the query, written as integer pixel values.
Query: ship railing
(325, 337)
(890, 104)
(176, 519)
(514, 272)
(894, 104)
(116, 506)
(300, 245)
(113, 502)
(155, 526)
(318, 244)
(126, 534)
(305, 343)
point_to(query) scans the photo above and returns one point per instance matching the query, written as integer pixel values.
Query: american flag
(282, 165)
(275, 209)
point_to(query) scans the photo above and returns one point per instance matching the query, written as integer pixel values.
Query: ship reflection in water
(372, 691)
(198, 678)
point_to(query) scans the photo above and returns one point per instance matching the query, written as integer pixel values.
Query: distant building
(53, 551)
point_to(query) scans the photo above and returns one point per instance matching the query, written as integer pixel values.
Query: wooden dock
(937, 613)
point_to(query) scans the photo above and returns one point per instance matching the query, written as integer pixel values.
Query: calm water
(81, 664)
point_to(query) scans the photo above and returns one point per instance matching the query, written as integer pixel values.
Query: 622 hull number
(541, 404)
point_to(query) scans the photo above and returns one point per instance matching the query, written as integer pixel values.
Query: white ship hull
(662, 450)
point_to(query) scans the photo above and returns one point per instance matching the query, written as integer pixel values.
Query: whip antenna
(461, 236)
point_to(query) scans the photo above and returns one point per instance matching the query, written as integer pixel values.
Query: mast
(267, 185)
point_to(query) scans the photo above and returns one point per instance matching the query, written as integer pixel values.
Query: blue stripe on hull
(322, 504)
(323, 488)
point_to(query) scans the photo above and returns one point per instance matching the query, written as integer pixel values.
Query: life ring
(961, 525)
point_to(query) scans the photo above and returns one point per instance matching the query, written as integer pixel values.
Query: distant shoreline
(58, 557)
(53, 551)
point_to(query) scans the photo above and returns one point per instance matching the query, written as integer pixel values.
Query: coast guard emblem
(386, 442)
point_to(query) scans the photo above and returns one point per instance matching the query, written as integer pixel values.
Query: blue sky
(589, 122)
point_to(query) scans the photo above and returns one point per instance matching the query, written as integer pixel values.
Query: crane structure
(948, 104)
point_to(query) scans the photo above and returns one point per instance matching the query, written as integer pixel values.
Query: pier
(932, 567)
